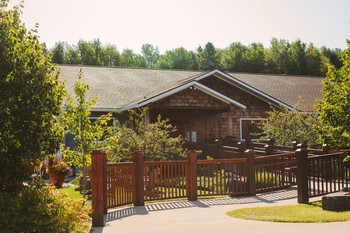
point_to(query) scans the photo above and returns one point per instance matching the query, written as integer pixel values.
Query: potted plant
(58, 170)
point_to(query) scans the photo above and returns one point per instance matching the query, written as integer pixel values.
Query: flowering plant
(57, 166)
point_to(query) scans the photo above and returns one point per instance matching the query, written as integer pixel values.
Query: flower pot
(57, 179)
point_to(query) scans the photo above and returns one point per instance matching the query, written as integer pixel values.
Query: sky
(170, 24)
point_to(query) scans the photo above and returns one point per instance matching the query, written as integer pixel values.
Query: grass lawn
(301, 213)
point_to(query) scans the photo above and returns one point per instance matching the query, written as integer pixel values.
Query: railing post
(248, 143)
(269, 147)
(241, 148)
(302, 175)
(191, 177)
(98, 183)
(295, 145)
(251, 172)
(325, 149)
(219, 144)
(137, 158)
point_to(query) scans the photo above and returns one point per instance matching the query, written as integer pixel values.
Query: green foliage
(77, 121)
(178, 58)
(31, 95)
(40, 208)
(282, 57)
(334, 107)
(151, 54)
(207, 58)
(130, 59)
(154, 139)
(287, 126)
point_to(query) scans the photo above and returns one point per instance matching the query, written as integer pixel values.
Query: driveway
(209, 216)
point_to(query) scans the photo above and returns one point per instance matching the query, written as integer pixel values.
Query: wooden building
(203, 106)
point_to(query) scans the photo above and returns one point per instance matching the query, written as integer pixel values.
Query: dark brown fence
(322, 174)
(117, 184)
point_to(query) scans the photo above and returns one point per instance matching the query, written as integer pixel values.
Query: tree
(76, 120)
(59, 52)
(231, 58)
(313, 60)
(208, 57)
(130, 59)
(253, 58)
(110, 56)
(334, 107)
(287, 126)
(154, 139)
(277, 58)
(178, 58)
(31, 96)
(150, 54)
(297, 58)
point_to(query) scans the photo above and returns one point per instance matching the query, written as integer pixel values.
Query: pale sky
(169, 24)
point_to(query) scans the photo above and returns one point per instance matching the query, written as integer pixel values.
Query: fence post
(325, 149)
(191, 177)
(137, 158)
(302, 175)
(295, 145)
(98, 183)
(269, 147)
(251, 172)
(219, 145)
(248, 143)
(241, 148)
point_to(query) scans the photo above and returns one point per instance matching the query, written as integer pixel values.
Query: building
(203, 106)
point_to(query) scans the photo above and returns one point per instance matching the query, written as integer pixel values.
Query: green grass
(302, 213)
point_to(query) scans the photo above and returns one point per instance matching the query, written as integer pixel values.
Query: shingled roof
(119, 88)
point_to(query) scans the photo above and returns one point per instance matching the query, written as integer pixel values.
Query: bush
(40, 208)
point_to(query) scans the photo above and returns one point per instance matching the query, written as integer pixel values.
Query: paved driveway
(209, 216)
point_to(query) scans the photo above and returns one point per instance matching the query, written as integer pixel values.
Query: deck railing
(117, 184)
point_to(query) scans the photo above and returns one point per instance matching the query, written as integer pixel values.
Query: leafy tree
(88, 53)
(253, 58)
(154, 139)
(277, 58)
(110, 56)
(297, 58)
(130, 59)
(150, 54)
(178, 58)
(332, 56)
(208, 57)
(231, 58)
(334, 107)
(313, 60)
(76, 120)
(31, 96)
(59, 52)
(287, 126)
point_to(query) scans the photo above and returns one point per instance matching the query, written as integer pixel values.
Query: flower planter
(57, 179)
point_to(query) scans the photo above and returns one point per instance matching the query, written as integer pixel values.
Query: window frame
(249, 119)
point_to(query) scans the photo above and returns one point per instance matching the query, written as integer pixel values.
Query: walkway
(209, 216)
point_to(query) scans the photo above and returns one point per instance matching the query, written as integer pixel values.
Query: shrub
(40, 208)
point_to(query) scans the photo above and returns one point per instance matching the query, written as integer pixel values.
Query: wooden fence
(139, 181)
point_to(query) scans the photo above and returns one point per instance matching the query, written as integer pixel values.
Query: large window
(250, 127)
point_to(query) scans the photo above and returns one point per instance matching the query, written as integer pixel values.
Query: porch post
(191, 176)
(302, 175)
(98, 166)
(251, 172)
(137, 158)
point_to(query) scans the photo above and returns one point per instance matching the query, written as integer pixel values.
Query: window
(249, 127)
